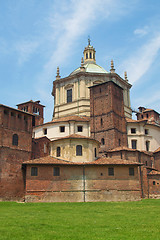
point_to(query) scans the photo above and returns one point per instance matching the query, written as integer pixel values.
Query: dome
(90, 67)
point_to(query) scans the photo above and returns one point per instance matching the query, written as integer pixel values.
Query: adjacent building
(92, 150)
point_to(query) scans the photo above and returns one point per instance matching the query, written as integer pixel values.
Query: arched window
(58, 151)
(90, 55)
(15, 140)
(95, 152)
(86, 55)
(78, 150)
(102, 141)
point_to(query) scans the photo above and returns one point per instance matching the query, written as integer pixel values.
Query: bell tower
(89, 53)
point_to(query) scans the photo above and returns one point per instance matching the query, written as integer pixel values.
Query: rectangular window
(34, 171)
(78, 150)
(134, 144)
(13, 114)
(62, 128)
(45, 131)
(146, 131)
(69, 95)
(6, 112)
(133, 130)
(110, 171)
(131, 171)
(19, 116)
(147, 145)
(56, 171)
(79, 129)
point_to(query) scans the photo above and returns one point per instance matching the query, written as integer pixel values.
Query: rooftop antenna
(89, 41)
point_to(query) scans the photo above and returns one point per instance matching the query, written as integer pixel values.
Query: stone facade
(67, 148)
(143, 134)
(72, 95)
(69, 125)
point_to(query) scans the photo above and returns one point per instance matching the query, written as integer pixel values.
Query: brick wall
(31, 107)
(11, 156)
(157, 160)
(40, 147)
(107, 115)
(12, 178)
(78, 183)
(154, 186)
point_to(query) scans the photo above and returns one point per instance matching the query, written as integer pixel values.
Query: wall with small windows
(75, 149)
(15, 147)
(35, 108)
(78, 183)
(143, 136)
(154, 185)
(132, 155)
(54, 130)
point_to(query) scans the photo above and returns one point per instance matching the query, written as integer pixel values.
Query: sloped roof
(128, 149)
(72, 118)
(157, 150)
(100, 161)
(75, 136)
(154, 172)
(66, 119)
(16, 109)
(129, 120)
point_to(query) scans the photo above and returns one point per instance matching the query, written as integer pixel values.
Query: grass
(77, 221)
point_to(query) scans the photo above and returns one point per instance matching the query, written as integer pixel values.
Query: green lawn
(43, 221)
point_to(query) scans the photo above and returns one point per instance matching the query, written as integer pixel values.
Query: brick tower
(34, 108)
(108, 124)
(15, 147)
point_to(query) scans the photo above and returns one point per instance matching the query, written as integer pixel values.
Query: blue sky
(36, 36)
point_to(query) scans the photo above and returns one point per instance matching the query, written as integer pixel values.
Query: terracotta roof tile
(16, 109)
(148, 121)
(157, 150)
(74, 136)
(99, 161)
(66, 119)
(128, 149)
(35, 139)
(154, 172)
(129, 120)
(72, 118)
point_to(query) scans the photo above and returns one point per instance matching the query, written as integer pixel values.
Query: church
(92, 150)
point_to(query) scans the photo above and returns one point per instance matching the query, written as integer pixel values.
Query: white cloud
(74, 19)
(24, 50)
(138, 64)
(69, 21)
(141, 31)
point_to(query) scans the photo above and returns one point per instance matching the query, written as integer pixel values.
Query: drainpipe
(84, 196)
(141, 178)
